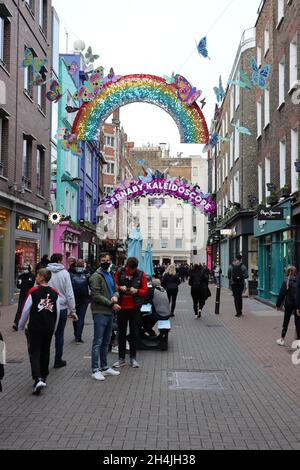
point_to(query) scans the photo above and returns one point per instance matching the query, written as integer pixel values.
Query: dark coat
(170, 281)
(199, 284)
(288, 295)
(1, 367)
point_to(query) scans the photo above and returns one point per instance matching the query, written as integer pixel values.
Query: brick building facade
(25, 139)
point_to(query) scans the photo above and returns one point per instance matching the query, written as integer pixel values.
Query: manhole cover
(194, 381)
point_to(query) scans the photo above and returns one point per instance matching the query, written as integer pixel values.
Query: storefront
(88, 247)
(5, 235)
(66, 240)
(28, 242)
(276, 240)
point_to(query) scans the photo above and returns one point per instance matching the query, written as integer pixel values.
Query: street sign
(267, 213)
(227, 233)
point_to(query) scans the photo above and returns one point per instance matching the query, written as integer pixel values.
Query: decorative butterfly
(100, 71)
(85, 93)
(70, 109)
(242, 130)
(186, 92)
(141, 163)
(90, 57)
(214, 139)
(68, 141)
(73, 68)
(260, 74)
(111, 77)
(202, 48)
(34, 62)
(219, 91)
(203, 103)
(55, 93)
(243, 82)
(148, 178)
(170, 80)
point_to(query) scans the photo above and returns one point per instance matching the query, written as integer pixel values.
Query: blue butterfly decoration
(202, 48)
(219, 91)
(141, 163)
(260, 74)
(148, 178)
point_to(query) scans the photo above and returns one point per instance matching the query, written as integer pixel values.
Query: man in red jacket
(133, 287)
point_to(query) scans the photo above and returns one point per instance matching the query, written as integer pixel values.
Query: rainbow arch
(129, 89)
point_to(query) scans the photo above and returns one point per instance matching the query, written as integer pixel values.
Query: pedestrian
(71, 263)
(237, 274)
(104, 300)
(61, 281)
(42, 264)
(25, 282)
(170, 282)
(2, 358)
(288, 296)
(42, 310)
(80, 283)
(200, 292)
(133, 288)
(181, 272)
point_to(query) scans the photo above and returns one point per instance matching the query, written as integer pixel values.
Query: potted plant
(285, 191)
(272, 200)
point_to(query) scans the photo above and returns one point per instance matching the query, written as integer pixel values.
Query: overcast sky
(157, 37)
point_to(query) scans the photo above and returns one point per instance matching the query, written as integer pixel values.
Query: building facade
(25, 152)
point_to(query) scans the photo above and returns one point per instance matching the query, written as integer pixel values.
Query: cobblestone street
(223, 384)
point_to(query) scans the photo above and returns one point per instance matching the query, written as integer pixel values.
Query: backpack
(237, 274)
(80, 284)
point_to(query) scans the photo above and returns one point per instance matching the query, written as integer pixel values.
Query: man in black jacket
(25, 282)
(237, 274)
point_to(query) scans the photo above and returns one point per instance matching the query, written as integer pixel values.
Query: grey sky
(157, 37)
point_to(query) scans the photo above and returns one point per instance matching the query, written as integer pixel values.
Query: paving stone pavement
(254, 406)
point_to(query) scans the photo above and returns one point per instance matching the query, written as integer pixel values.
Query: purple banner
(159, 187)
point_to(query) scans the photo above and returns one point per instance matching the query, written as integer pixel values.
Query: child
(288, 294)
(42, 309)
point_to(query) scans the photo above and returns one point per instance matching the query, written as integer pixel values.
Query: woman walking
(199, 288)
(170, 282)
(287, 295)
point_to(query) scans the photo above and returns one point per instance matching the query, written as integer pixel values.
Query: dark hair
(103, 255)
(239, 257)
(79, 263)
(56, 258)
(45, 257)
(45, 274)
(197, 268)
(132, 263)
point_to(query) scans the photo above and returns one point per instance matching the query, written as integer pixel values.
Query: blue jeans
(102, 336)
(59, 335)
(81, 308)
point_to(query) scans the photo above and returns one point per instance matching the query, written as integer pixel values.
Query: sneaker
(110, 372)
(59, 364)
(127, 346)
(120, 363)
(98, 375)
(296, 344)
(115, 350)
(79, 341)
(14, 327)
(280, 342)
(199, 313)
(38, 385)
(44, 383)
(134, 363)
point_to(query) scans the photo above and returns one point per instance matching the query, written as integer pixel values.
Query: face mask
(105, 266)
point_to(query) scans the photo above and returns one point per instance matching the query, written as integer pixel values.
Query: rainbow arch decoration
(144, 89)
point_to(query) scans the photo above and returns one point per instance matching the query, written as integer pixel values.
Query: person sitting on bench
(161, 310)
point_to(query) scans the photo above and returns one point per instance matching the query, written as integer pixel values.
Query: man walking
(237, 273)
(104, 299)
(133, 288)
(61, 281)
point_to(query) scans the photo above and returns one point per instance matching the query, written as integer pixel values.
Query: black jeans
(287, 316)
(81, 308)
(133, 317)
(172, 296)
(237, 290)
(39, 352)
(198, 301)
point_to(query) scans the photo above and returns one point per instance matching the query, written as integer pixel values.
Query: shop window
(253, 258)
(5, 32)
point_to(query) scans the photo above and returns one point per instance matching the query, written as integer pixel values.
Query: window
(88, 161)
(42, 97)
(40, 171)
(226, 165)
(231, 151)
(260, 184)
(43, 15)
(88, 207)
(232, 105)
(109, 141)
(267, 107)
(231, 192)
(179, 222)
(26, 173)
(293, 63)
(137, 202)
(3, 146)
(150, 224)
(5, 41)
(280, 14)
(258, 56)
(30, 4)
(237, 142)
(294, 159)
(267, 175)
(67, 203)
(267, 41)
(194, 229)
(226, 123)
(259, 118)
(195, 171)
(73, 207)
(164, 244)
(165, 223)
(110, 168)
(28, 79)
(281, 81)
(237, 93)
(178, 244)
(282, 157)
(108, 190)
(237, 187)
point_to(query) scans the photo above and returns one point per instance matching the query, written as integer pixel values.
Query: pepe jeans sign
(166, 187)
(270, 214)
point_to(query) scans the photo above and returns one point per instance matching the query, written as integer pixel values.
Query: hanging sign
(267, 213)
